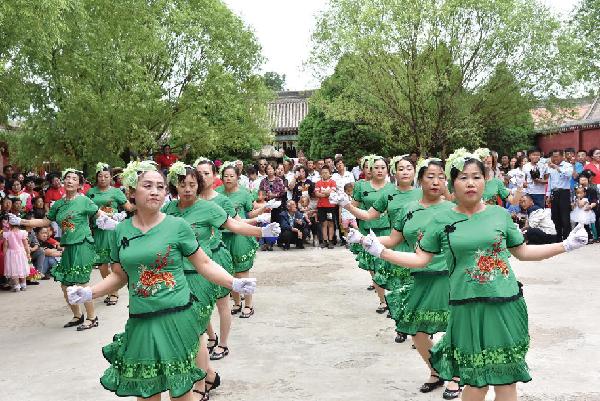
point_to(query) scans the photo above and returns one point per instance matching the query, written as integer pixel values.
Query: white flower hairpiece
(424, 163)
(200, 160)
(70, 170)
(101, 167)
(457, 160)
(130, 174)
(482, 153)
(394, 162)
(370, 160)
(224, 166)
(176, 170)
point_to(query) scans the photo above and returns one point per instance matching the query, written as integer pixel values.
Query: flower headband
(424, 163)
(102, 167)
(482, 153)
(370, 160)
(457, 160)
(200, 160)
(224, 166)
(394, 162)
(130, 174)
(70, 170)
(176, 170)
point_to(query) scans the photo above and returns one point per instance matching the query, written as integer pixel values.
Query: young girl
(582, 212)
(266, 244)
(16, 257)
(347, 218)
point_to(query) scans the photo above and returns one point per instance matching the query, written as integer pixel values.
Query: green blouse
(395, 201)
(412, 221)
(366, 195)
(241, 199)
(108, 201)
(494, 188)
(73, 217)
(154, 263)
(476, 252)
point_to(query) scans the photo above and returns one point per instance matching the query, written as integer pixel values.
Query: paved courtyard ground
(315, 336)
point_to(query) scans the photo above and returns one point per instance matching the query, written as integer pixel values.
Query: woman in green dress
(72, 213)
(424, 311)
(487, 335)
(495, 191)
(241, 246)
(208, 171)
(157, 351)
(386, 206)
(108, 199)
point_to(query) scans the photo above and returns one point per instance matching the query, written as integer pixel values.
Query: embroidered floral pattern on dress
(489, 264)
(67, 224)
(152, 278)
(108, 208)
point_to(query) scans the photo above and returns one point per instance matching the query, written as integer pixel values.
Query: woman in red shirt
(594, 165)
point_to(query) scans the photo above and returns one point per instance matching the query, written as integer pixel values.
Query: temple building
(286, 113)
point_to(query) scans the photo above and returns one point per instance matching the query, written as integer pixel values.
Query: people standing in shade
(72, 213)
(241, 241)
(487, 335)
(425, 309)
(157, 350)
(559, 193)
(109, 200)
(275, 189)
(536, 176)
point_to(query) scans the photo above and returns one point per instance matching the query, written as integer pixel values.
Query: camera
(535, 174)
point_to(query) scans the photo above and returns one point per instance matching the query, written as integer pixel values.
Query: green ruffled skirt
(367, 261)
(156, 354)
(242, 249)
(425, 308)
(104, 242)
(221, 256)
(485, 344)
(205, 291)
(76, 264)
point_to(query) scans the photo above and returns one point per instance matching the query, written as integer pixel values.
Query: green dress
(366, 196)
(79, 255)
(487, 335)
(108, 201)
(242, 248)
(389, 276)
(425, 309)
(205, 218)
(493, 190)
(220, 252)
(157, 351)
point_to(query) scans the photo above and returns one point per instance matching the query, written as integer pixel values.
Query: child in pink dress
(16, 256)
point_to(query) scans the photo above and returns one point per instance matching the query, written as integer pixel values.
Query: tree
(275, 81)
(585, 50)
(321, 136)
(417, 67)
(93, 83)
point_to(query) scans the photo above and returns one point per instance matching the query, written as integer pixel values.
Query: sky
(284, 28)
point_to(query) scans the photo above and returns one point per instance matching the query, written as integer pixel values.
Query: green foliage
(585, 30)
(426, 74)
(274, 81)
(94, 78)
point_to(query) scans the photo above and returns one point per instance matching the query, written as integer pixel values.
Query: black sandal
(400, 337)
(213, 384)
(212, 340)
(452, 394)
(429, 387)
(371, 287)
(236, 309)
(76, 321)
(245, 315)
(203, 396)
(94, 323)
(382, 308)
(110, 300)
(107, 299)
(215, 356)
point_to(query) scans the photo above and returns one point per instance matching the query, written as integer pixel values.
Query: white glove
(372, 245)
(343, 199)
(273, 204)
(14, 220)
(244, 285)
(104, 222)
(576, 239)
(264, 218)
(119, 217)
(271, 230)
(79, 295)
(354, 236)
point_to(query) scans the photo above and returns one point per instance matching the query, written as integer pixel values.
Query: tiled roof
(288, 110)
(584, 113)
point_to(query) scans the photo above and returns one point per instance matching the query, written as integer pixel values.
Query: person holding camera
(536, 177)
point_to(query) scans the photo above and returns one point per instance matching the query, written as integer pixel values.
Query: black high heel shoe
(214, 384)
(93, 323)
(429, 387)
(212, 340)
(76, 321)
(452, 394)
(400, 338)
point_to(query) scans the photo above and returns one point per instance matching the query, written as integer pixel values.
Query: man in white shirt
(311, 172)
(536, 177)
(342, 176)
(559, 190)
(243, 181)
